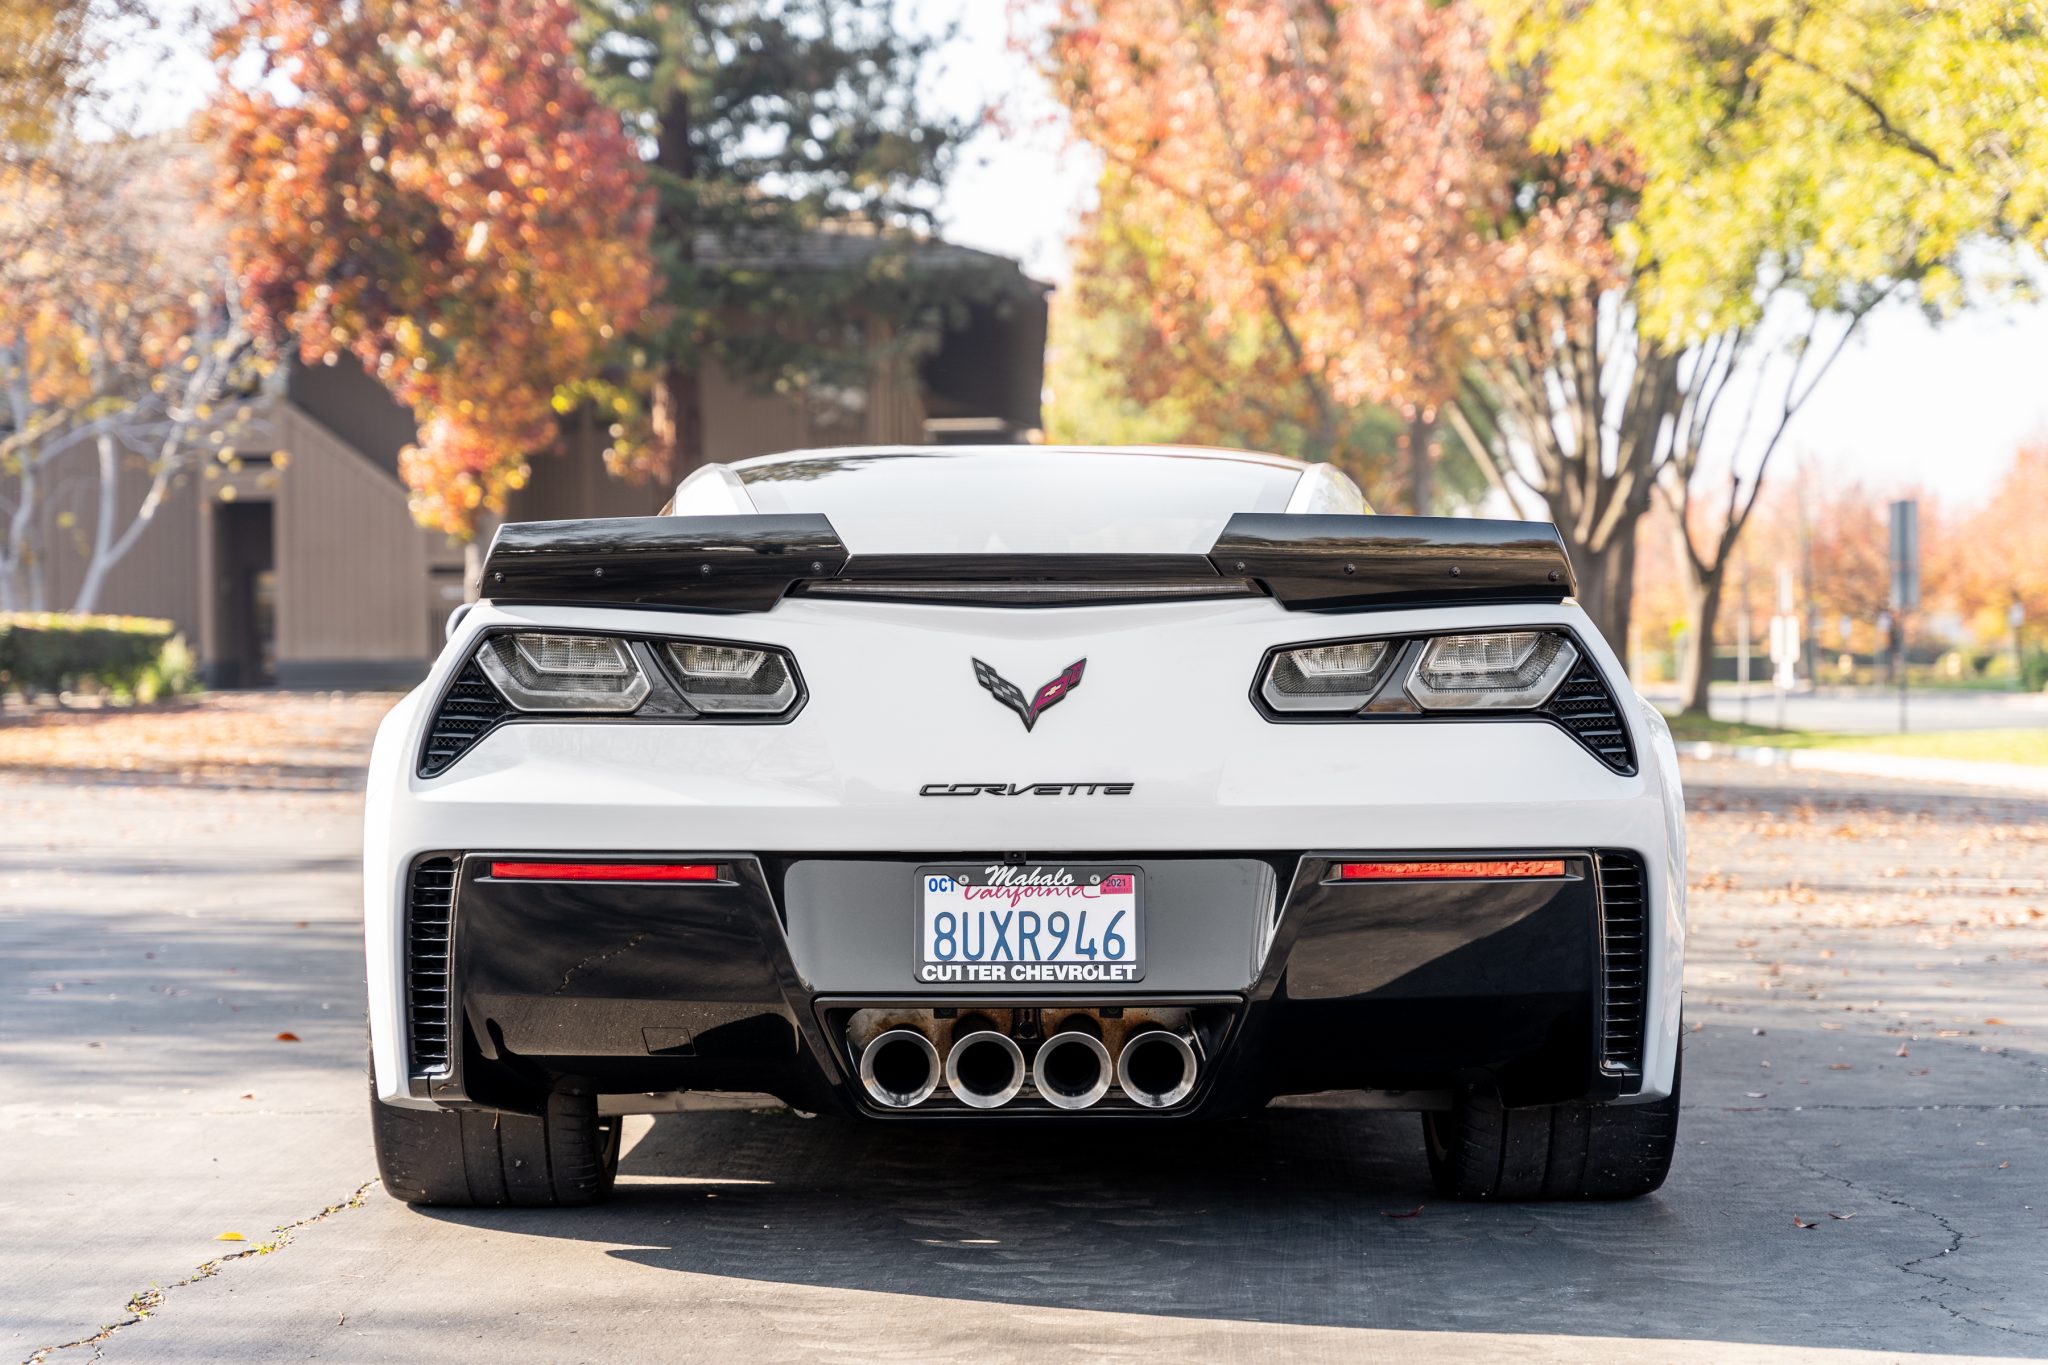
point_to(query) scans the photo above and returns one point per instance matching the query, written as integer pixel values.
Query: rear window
(1022, 499)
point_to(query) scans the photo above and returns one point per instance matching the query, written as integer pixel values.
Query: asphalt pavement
(1863, 1163)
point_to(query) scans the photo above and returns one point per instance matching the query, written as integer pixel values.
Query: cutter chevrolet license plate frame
(1030, 924)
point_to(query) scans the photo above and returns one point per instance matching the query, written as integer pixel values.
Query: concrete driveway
(1868, 994)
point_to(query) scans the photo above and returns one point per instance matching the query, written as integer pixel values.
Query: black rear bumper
(1534, 986)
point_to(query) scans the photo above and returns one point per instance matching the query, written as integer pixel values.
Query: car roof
(1007, 499)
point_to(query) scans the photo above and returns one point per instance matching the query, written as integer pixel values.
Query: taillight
(1513, 670)
(1336, 678)
(605, 872)
(1502, 670)
(733, 679)
(1449, 870)
(550, 671)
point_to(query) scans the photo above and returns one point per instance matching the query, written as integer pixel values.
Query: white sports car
(1026, 783)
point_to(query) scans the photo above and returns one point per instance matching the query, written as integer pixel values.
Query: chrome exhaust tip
(900, 1068)
(985, 1069)
(1157, 1068)
(1072, 1069)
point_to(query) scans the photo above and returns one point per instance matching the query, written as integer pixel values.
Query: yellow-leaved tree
(1801, 161)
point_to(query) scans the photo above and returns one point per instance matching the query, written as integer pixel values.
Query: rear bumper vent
(429, 925)
(469, 710)
(1587, 709)
(1624, 963)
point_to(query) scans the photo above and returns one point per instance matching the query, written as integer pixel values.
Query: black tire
(1480, 1150)
(487, 1157)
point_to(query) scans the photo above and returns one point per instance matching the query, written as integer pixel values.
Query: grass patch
(1977, 746)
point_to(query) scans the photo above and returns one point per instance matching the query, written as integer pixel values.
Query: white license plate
(1050, 924)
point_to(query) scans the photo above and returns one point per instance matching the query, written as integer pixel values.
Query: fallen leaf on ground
(1902, 1051)
(1799, 1222)
(1757, 1094)
(1841, 1066)
(231, 1237)
(287, 1037)
(1841, 1217)
(1390, 1213)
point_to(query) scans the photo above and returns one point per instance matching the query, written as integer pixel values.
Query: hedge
(128, 656)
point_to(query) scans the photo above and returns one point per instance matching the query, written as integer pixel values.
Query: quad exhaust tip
(900, 1068)
(1157, 1068)
(1072, 1069)
(985, 1068)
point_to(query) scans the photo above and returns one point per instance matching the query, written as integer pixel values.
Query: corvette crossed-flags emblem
(1012, 696)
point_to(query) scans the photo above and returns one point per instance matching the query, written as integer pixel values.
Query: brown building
(305, 568)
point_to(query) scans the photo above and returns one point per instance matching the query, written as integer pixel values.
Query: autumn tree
(123, 360)
(794, 167)
(1139, 354)
(431, 187)
(1800, 164)
(1334, 172)
(1999, 555)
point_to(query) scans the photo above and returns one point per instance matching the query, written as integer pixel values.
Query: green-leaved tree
(795, 170)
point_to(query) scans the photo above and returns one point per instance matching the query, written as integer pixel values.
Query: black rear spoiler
(735, 563)
(1318, 562)
(751, 562)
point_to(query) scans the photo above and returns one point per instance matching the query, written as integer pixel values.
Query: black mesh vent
(469, 712)
(1585, 707)
(1625, 963)
(429, 913)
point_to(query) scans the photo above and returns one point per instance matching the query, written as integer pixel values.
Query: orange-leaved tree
(429, 186)
(1339, 174)
(2001, 558)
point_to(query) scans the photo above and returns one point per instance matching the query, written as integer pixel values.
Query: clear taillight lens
(1334, 678)
(541, 671)
(1514, 670)
(731, 680)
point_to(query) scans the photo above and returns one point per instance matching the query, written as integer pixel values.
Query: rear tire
(1481, 1150)
(486, 1158)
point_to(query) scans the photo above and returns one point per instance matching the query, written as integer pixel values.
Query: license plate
(1049, 924)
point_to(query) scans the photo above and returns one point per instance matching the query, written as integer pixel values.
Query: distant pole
(2015, 617)
(1905, 595)
(1811, 644)
(1741, 645)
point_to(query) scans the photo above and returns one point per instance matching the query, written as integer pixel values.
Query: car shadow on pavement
(1325, 1217)
(1309, 1216)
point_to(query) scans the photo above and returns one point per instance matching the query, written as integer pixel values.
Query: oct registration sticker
(1031, 924)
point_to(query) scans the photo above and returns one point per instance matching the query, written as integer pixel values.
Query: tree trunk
(1696, 669)
(677, 415)
(88, 599)
(1420, 495)
(678, 420)
(1607, 577)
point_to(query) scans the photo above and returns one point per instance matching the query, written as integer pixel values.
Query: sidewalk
(2009, 776)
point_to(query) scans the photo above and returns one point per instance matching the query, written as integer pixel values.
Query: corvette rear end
(1059, 786)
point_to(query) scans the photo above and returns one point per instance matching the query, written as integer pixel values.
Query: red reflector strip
(1450, 871)
(606, 872)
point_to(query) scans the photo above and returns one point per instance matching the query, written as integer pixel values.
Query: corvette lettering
(1026, 789)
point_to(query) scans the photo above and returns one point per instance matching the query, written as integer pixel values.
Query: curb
(2008, 776)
